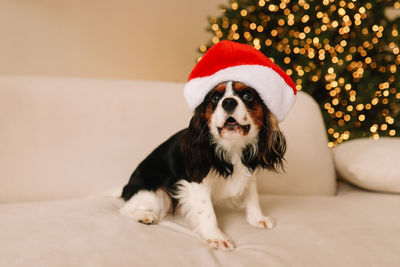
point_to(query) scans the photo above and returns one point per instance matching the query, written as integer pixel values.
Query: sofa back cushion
(69, 137)
(309, 164)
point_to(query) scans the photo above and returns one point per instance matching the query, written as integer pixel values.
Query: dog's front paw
(219, 241)
(222, 244)
(263, 222)
(145, 217)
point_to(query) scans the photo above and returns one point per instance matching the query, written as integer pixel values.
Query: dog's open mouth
(232, 125)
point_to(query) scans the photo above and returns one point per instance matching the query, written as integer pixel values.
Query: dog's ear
(196, 147)
(271, 144)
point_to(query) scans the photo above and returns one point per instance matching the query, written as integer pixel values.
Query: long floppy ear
(196, 147)
(271, 144)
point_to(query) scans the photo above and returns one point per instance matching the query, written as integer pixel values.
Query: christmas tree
(344, 53)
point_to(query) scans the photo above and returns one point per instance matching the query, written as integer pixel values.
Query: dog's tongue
(232, 126)
(231, 121)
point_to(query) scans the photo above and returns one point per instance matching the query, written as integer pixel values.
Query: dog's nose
(229, 104)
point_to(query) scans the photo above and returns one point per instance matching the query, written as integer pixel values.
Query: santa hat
(230, 61)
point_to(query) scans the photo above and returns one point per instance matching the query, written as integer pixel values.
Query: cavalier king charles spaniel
(231, 134)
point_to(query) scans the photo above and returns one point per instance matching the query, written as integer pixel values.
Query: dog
(231, 135)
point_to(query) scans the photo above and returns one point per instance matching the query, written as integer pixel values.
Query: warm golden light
(334, 50)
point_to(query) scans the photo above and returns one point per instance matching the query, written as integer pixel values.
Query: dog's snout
(229, 104)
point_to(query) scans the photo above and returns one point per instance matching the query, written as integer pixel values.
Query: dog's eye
(248, 96)
(215, 99)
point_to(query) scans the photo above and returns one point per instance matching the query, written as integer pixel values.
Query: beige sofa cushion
(70, 137)
(309, 164)
(354, 229)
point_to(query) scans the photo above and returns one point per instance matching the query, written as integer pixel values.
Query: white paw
(263, 222)
(145, 216)
(221, 244)
(219, 241)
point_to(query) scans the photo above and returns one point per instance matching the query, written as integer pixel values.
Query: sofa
(68, 145)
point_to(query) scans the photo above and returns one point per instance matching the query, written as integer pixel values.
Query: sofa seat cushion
(355, 228)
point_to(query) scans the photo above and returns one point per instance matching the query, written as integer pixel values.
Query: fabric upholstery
(69, 137)
(355, 228)
(309, 165)
(76, 138)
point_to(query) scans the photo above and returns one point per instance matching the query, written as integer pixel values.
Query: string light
(333, 50)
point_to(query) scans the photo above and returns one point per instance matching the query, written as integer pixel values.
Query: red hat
(230, 61)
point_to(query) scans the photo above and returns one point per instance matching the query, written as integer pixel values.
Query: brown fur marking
(238, 86)
(220, 87)
(257, 114)
(209, 110)
(209, 113)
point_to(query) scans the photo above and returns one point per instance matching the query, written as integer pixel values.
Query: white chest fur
(231, 189)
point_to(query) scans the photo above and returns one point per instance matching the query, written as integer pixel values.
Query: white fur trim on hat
(277, 95)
